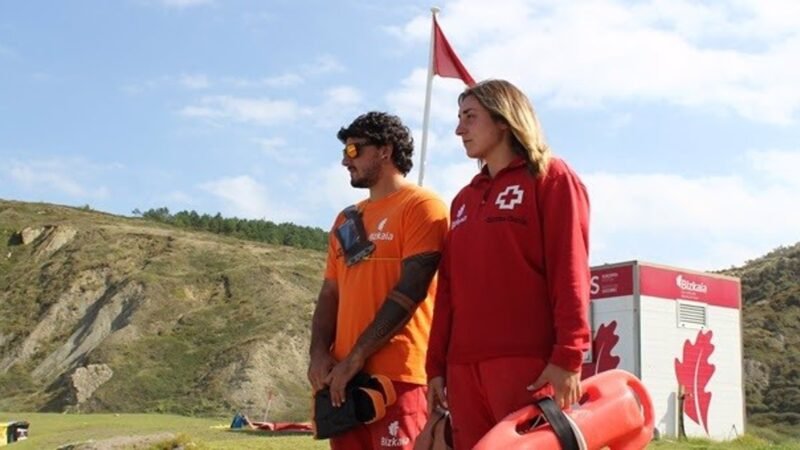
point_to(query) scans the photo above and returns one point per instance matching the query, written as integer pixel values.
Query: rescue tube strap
(559, 422)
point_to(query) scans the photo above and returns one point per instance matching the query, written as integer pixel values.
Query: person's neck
(386, 186)
(499, 159)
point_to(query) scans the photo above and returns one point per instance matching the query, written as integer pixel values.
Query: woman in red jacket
(510, 318)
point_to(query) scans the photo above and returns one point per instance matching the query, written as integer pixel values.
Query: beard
(368, 176)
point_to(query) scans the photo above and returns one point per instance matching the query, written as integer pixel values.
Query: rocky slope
(104, 313)
(771, 332)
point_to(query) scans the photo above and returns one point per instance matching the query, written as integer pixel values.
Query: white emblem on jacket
(460, 216)
(510, 198)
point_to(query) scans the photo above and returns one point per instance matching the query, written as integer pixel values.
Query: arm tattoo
(400, 304)
(390, 317)
(418, 271)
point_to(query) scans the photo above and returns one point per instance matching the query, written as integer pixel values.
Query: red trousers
(481, 394)
(396, 430)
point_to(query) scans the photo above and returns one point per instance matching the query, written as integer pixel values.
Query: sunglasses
(353, 150)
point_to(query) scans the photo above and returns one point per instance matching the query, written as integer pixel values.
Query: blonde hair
(506, 102)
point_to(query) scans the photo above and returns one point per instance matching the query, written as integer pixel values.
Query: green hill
(101, 313)
(107, 313)
(771, 328)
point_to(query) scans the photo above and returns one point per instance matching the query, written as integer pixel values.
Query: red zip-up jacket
(514, 277)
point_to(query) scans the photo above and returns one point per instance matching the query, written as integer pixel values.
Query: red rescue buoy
(615, 411)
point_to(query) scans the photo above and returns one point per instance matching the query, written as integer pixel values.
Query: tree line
(251, 229)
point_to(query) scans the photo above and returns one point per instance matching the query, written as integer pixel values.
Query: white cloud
(738, 56)
(270, 145)
(284, 80)
(323, 65)
(443, 148)
(277, 149)
(179, 197)
(704, 222)
(202, 81)
(66, 176)
(245, 197)
(31, 178)
(617, 121)
(262, 111)
(194, 81)
(340, 105)
(778, 166)
(408, 101)
(344, 95)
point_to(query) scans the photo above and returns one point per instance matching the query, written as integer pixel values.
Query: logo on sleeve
(510, 197)
(460, 216)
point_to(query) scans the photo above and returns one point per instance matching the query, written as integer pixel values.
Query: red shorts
(396, 430)
(481, 394)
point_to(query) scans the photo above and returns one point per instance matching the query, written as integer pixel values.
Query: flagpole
(428, 87)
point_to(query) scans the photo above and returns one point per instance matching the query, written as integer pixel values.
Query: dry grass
(54, 430)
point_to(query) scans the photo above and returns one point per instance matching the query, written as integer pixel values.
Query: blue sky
(680, 116)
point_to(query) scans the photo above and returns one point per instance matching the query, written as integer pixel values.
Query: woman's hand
(436, 395)
(566, 385)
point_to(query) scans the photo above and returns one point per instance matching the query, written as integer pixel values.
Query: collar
(483, 177)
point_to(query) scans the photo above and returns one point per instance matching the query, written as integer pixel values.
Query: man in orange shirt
(375, 306)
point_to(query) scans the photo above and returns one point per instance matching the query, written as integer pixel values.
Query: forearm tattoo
(417, 273)
(400, 304)
(390, 318)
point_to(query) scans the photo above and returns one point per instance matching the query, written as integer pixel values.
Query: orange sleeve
(426, 225)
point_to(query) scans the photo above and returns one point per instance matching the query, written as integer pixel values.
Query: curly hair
(381, 128)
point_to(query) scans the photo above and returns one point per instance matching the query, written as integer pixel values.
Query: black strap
(557, 420)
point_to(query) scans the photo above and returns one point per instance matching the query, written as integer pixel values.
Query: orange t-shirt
(409, 221)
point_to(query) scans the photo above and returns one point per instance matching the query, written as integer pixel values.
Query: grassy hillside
(771, 327)
(105, 313)
(100, 313)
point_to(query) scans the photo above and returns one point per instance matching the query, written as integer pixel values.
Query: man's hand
(319, 368)
(566, 384)
(343, 372)
(436, 397)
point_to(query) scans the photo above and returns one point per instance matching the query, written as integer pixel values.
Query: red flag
(445, 61)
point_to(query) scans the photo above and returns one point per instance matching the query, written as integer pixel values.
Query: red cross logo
(510, 198)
